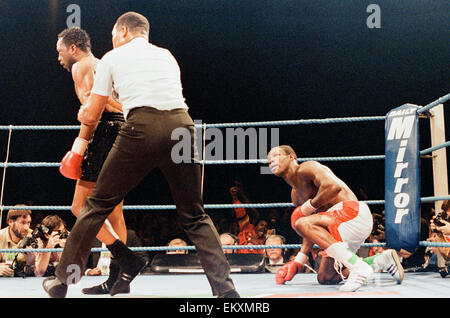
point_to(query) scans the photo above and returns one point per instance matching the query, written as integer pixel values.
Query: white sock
(340, 252)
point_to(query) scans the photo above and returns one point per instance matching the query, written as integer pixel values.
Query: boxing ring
(250, 285)
(253, 285)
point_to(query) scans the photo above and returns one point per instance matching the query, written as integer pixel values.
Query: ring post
(439, 157)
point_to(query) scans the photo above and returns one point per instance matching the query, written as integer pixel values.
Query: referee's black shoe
(130, 266)
(54, 287)
(126, 275)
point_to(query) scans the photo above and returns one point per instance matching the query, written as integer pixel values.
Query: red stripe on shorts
(350, 210)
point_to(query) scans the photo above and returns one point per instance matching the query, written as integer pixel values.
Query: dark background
(251, 60)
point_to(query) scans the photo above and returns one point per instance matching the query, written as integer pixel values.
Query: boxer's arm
(307, 246)
(86, 131)
(90, 113)
(83, 78)
(327, 187)
(113, 106)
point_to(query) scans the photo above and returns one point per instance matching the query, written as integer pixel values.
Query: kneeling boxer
(328, 214)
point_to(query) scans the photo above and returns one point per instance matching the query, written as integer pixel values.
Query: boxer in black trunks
(90, 149)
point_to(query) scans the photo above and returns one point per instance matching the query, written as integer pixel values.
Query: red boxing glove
(71, 163)
(288, 271)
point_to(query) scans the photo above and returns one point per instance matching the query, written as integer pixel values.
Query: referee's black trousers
(145, 142)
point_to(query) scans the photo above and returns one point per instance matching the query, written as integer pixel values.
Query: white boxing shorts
(353, 223)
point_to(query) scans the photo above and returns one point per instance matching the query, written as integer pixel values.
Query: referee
(148, 82)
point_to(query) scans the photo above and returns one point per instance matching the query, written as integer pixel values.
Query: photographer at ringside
(440, 227)
(441, 221)
(51, 233)
(12, 236)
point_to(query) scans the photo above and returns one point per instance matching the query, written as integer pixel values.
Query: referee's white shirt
(142, 74)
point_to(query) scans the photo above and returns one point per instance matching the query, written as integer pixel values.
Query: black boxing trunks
(99, 146)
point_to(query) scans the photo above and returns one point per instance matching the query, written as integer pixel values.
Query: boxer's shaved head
(285, 149)
(288, 150)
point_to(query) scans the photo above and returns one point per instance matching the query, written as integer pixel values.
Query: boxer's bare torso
(83, 73)
(314, 180)
(309, 180)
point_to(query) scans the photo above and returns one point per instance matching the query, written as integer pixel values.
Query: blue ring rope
(206, 162)
(242, 161)
(421, 110)
(431, 149)
(192, 248)
(206, 206)
(438, 101)
(220, 125)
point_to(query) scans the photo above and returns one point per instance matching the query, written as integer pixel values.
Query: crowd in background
(250, 226)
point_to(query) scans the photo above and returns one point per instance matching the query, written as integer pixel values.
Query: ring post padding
(402, 178)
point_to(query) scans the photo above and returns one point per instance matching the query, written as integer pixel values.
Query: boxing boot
(387, 261)
(360, 271)
(359, 275)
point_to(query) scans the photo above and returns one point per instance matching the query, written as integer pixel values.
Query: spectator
(253, 235)
(275, 256)
(238, 196)
(440, 232)
(441, 221)
(11, 237)
(227, 239)
(444, 229)
(54, 237)
(249, 234)
(278, 257)
(436, 257)
(378, 229)
(177, 242)
(376, 249)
